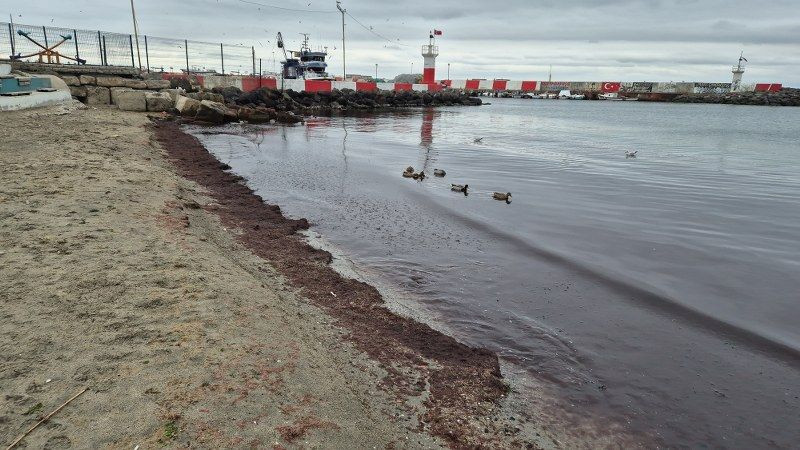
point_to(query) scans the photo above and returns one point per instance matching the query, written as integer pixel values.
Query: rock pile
(100, 90)
(339, 101)
(784, 97)
(264, 105)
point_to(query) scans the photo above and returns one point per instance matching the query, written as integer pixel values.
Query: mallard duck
(631, 154)
(419, 176)
(459, 188)
(501, 196)
(410, 169)
(408, 174)
(439, 172)
(478, 140)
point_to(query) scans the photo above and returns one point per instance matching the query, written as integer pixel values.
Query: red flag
(437, 32)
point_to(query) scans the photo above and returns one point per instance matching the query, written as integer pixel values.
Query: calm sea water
(661, 292)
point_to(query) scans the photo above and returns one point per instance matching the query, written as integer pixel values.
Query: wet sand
(194, 313)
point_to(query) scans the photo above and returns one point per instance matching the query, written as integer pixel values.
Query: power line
(287, 9)
(374, 32)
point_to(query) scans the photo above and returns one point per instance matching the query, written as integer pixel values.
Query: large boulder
(115, 93)
(157, 84)
(158, 101)
(110, 81)
(214, 112)
(78, 92)
(97, 95)
(187, 106)
(87, 79)
(133, 84)
(71, 80)
(260, 115)
(174, 93)
(131, 100)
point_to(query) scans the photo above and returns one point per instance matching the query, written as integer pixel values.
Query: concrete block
(110, 81)
(115, 93)
(187, 106)
(87, 79)
(157, 84)
(215, 113)
(158, 101)
(134, 84)
(78, 91)
(71, 80)
(175, 93)
(97, 95)
(130, 100)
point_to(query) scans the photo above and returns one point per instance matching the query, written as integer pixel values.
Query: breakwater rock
(320, 103)
(266, 105)
(784, 97)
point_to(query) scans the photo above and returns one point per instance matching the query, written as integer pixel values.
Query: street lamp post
(376, 71)
(344, 51)
(448, 71)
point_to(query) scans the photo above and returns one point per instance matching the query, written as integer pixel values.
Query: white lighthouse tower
(738, 72)
(429, 53)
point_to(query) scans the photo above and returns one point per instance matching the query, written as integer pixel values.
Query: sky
(583, 40)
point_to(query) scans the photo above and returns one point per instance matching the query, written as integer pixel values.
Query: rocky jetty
(264, 105)
(784, 97)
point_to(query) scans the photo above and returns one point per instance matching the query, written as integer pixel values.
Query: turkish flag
(611, 86)
(437, 32)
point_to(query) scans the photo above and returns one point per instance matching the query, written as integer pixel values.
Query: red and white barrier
(250, 83)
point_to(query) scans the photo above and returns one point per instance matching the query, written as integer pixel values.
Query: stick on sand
(46, 418)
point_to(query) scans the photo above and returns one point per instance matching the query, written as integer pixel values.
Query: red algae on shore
(464, 385)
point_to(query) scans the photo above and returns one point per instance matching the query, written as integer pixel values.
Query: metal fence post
(77, 52)
(222, 58)
(105, 52)
(11, 39)
(254, 59)
(146, 54)
(100, 43)
(259, 72)
(186, 47)
(133, 61)
(44, 30)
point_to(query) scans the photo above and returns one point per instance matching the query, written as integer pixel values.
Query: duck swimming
(409, 172)
(439, 172)
(631, 154)
(459, 188)
(501, 196)
(419, 176)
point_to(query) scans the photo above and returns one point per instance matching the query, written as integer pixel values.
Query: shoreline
(128, 279)
(463, 385)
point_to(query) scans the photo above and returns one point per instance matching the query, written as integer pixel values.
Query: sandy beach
(135, 267)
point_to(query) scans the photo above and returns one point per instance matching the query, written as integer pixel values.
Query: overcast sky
(595, 40)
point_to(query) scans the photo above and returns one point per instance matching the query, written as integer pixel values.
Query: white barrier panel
(385, 86)
(222, 81)
(458, 84)
(486, 85)
(514, 86)
(419, 87)
(344, 85)
(294, 85)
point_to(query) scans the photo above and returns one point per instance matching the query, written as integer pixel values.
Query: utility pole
(448, 71)
(136, 33)
(376, 71)
(344, 51)
(11, 30)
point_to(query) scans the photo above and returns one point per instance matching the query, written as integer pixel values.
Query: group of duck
(463, 188)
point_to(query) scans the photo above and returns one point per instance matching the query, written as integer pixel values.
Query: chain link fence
(102, 48)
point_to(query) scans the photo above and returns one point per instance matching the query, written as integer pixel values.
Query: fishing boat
(615, 97)
(306, 64)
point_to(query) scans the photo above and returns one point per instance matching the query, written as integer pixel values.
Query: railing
(104, 48)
